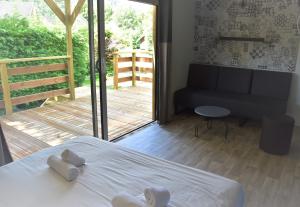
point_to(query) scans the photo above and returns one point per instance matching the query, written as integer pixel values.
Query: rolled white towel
(68, 171)
(126, 200)
(72, 158)
(157, 196)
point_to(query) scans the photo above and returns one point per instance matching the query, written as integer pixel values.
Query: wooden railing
(135, 59)
(6, 87)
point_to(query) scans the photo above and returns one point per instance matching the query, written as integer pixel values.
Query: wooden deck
(50, 125)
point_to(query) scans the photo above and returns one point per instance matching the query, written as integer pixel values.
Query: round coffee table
(210, 113)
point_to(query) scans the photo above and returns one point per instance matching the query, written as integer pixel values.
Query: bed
(110, 169)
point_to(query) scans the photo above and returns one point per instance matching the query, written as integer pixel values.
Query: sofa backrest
(203, 76)
(271, 84)
(234, 80)
(256, 82)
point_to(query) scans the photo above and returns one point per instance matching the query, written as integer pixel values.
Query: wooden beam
(134, 68)
(38, 83)
(38, 96)
(57, 11)
(144, 59)
(125, 59)
(125, 70)
(77, 10)
(125, 79)
(116, 71)
(144, 70)
(6, 89)
(17, 60)
(70, 49)
(37, 69)
(144, 79)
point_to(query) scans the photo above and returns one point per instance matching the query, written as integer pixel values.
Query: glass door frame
(102, 68)
(92, 66)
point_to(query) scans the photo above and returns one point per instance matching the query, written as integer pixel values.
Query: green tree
(108, 12)
(131, 24)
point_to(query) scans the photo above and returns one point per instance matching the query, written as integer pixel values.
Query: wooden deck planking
(24, 146)
(32, 130)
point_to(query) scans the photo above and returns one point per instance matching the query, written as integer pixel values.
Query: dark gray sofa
(247, 93)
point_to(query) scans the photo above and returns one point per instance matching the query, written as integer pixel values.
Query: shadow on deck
(35, 129)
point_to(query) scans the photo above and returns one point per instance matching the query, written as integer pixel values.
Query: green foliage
(131, 22)
(19, 40)
(109, 48)
(129, 25)
(108, 12)
(14, 22)
(84, 13)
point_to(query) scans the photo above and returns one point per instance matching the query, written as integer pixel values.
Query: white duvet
(110, 169)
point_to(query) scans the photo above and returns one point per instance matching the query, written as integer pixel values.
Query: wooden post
(6, 89)
(134, 68)
(68, 19)
(116, 71)
(69, 23)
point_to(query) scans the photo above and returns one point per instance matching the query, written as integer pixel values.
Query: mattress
(110, 169)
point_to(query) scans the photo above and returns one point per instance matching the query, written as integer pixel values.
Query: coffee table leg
(209, 123)
(196, 131)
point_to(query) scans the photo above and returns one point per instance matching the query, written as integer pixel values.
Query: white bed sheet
(110, 169)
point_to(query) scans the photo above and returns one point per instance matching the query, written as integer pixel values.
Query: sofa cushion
(243, 105)
(271, 84)
(258, 106)
(203, 76)
(234, 80)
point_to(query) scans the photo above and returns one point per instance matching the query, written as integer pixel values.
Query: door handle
(99, 69)
(98, 66)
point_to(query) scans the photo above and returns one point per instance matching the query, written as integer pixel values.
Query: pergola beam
(68, 15)
(57, 11)
(68, 18)
(70, 48)
(77, 10)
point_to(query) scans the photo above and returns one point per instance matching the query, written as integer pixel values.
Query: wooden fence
(135, 59)
(6, 87)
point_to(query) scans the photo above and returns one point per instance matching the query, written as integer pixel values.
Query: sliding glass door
(92, 66)
(102, 68)
(122, 65)
(97, 67)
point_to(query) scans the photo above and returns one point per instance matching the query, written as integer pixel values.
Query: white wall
(182, 45)
(182, 55)
(294, 102)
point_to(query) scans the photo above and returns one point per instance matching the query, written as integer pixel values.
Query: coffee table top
(212, 111)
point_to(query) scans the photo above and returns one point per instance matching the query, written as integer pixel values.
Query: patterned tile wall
(273, 20)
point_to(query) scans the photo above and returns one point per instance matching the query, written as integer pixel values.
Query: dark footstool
(277, 133)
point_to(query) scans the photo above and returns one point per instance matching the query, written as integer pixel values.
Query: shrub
(19, 40)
